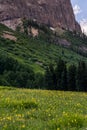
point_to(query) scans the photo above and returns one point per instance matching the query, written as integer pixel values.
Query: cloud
(77, 9)
(83, 24)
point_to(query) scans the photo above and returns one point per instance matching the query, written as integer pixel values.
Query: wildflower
(23, 126)
(9, 118)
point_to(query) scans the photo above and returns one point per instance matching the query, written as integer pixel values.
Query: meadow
(25, 109)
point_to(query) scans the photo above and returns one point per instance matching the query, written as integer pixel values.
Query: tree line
(58, 77)
(61, 77)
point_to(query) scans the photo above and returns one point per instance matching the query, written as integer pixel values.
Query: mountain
(54, 13)
(37, 34)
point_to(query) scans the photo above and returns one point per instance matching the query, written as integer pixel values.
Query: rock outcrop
(50, 12)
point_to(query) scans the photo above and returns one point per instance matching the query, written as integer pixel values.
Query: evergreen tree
(72, 78)
(53, 76)
(64, 84)
(39, 81)
(82, 76)
(61, 75)
(50, 77)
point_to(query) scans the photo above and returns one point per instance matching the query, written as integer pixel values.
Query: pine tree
(50, 77)
(53, 76)
(61, 75)
(64, 84)
(72, 78)
(82, 76)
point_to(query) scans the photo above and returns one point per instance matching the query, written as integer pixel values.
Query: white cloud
(83, 24)
(77, 9)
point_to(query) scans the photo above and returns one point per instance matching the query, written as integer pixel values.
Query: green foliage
(14, 73)
(67, 121)
(50, 77)
(21, 105)
(72, 77)
(61, 75)
(37, 53)
(78, 42)
(4, 28)
(23, 62)
(75, 38)
(39, 82)
(82, 76)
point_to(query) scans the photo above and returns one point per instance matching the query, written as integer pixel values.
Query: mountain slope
(24, 58)
(38, 52)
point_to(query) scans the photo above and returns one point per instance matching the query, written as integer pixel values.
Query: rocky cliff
(50, 12)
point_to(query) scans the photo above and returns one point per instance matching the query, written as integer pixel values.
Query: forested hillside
(24, 59)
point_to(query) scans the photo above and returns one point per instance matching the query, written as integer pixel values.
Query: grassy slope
(22, 109)
(35, 53)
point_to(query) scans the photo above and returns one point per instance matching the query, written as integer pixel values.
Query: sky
(80, 11)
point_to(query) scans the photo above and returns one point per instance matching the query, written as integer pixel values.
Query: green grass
(24, 109)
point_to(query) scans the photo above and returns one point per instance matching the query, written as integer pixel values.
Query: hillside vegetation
(28, 56)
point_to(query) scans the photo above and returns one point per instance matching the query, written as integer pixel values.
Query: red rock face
(50, 12)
